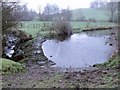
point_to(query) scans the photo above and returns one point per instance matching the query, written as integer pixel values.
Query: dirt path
(47, 77)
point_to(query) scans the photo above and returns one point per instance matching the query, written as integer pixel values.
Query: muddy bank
(55, 77)
(33, 53)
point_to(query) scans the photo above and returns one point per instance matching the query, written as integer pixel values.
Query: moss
(112, 62)
(110, 82)
(9, 67)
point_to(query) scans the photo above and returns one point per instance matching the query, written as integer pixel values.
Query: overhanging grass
(111, 63)
(8, 66)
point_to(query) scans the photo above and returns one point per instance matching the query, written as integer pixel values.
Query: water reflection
(80, 50)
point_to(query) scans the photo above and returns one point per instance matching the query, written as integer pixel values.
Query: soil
(36, 76)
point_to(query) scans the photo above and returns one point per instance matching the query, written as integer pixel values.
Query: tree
(39, 14)
(55, 9)
(119, 13)
(99, 4)
(25, 13)
(66, 14)
(113, 7)
(49, 10)
(9, 17)
(94, 5)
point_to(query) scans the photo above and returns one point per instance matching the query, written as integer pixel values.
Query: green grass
(9, 66)
(112, 62)
(34, 27)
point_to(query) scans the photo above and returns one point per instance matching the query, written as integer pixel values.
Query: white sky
(34, 4)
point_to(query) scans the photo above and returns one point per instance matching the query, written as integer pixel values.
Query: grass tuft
(9, 67)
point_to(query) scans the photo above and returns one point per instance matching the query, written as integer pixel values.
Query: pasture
(34, 27)
(89, 13)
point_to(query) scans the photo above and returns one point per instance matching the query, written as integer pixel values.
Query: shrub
(59, 29)
(92, 19)
(62, 27)
(81, 18)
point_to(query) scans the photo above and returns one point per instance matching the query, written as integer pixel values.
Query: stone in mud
(41, 63)
(50, 63)
(18, 55)
(67, 77)
(104, 72)
(46, 63)
(112, 33)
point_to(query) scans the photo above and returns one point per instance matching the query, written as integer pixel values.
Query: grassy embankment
(8, 66)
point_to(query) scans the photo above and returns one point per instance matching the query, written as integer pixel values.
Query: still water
(80, 50)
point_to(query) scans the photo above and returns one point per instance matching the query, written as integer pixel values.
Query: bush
(62, 27)
(81, 18)
(8, 66)
(59, 29)
(92, 19)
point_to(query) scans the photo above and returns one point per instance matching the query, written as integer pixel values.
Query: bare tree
(113, 7)
(99, 4)
(66, 14)
(55, 9)
(49, 10)
(9, 17)
(94, 4)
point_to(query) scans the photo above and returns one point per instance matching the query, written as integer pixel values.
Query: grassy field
(97, 14)
(34, 27)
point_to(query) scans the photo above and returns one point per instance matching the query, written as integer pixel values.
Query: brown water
(80, 50)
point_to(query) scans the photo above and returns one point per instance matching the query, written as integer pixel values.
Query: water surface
(80, 50)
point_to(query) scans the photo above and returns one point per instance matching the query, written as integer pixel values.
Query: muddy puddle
(81, 50)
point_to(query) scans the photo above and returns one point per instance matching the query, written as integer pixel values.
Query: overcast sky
(73, 4)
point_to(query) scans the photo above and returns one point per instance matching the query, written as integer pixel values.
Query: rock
(9, 84)
(111, 44)
(11, 44)
(59, 81)
(94, 65)
(41, 63)
(104, 72)
(50, 63)
(112, 33)
(18, 55)
(67, 77)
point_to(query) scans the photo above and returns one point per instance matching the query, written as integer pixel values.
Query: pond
(81, 50)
